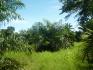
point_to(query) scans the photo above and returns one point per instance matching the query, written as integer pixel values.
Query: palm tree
(82, 8)
(84, 11)
(50, 36)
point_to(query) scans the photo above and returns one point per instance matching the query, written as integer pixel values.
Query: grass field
(65, 59)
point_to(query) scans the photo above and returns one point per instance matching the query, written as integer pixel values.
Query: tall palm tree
(84, 11)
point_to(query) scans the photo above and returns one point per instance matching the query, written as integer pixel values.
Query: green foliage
(65, 59)
(9, 64)
(88, 26)
(78, 36)
(88, 51)
(8, 12)
(9, 40)
(47, 36)
(8, 9)
(5, 37)
(82, 8)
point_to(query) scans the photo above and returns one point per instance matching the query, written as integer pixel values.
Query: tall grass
(65, 59)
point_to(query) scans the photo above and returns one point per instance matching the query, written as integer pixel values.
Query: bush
(9, 64)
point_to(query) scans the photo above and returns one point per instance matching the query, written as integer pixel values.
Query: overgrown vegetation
(7, 13)
(67, 59)
(10, 64)
(47, 45)
(84, 10)
(49, 36)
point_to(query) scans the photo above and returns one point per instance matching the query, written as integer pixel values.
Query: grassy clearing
(67, 59)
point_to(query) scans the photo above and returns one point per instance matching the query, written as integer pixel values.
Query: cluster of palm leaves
(8, 9)
(82, 8)
(47, 36)
(84, 11)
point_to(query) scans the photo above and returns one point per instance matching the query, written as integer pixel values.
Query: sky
(38, 10)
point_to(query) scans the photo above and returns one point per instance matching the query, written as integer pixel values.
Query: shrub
(9, 64)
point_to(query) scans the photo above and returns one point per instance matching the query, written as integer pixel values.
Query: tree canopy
(47, 36)
(82, 8)
(8, 9)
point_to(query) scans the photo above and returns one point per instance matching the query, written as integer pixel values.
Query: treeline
(42, 36)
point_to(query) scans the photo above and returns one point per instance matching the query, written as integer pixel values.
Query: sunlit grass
(67, 59)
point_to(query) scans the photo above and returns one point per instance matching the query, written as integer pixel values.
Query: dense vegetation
(84, 10)
(67, 59)
(47, 36)
(8, 12)
(47, 45)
